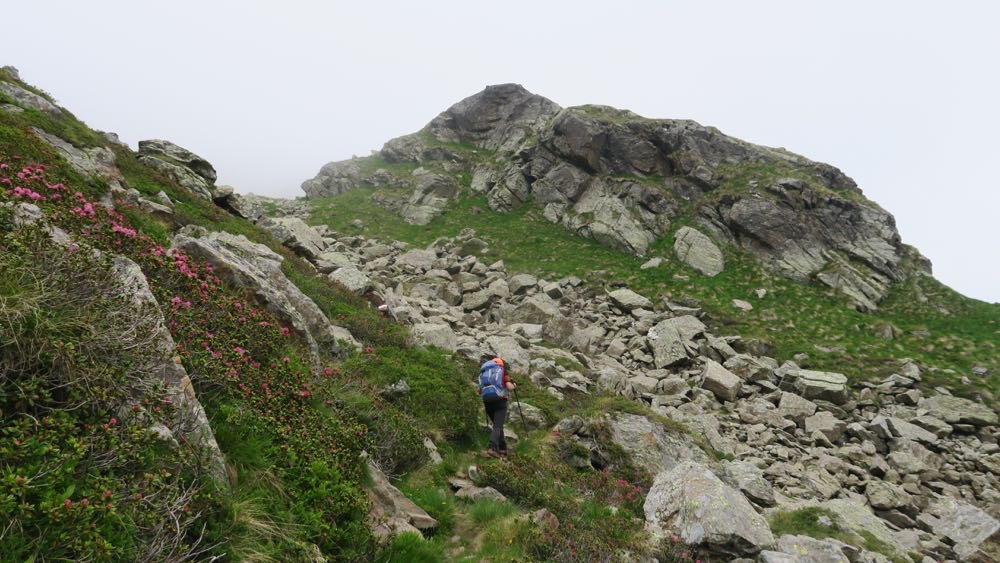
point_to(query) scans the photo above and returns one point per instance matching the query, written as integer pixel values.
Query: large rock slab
(179, 155)
(956, 410)
(435, 334)
(749, 480)
(257, 268)
(191, 417)
(672, 340)
(537, 309)
(184, 177)
(629, 300)
(963, 524)
(824, 385)
(858, 518)
(28, 99)
(719, 380)
(827, 424)
(97, 162)
(651, 445)
(695, 249)
(295, 234)
(691, 502)
(430, 198)
(795, 407)
(352, 278)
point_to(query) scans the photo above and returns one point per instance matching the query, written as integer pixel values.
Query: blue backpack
(491, 381)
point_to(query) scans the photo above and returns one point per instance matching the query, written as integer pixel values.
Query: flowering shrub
(236, 353)
(82, 473)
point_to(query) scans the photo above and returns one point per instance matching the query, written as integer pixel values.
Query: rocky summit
(624, 180)
(191, 373)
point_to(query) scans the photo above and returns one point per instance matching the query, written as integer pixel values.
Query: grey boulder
(695, 249)
(691, 502)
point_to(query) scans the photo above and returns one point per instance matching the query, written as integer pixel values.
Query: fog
(902, 96)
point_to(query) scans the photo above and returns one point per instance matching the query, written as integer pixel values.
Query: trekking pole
(524, 425)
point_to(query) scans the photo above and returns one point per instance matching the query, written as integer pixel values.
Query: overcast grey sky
(901, 95)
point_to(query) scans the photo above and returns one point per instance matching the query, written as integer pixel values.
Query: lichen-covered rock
(184, 177)
(691, 502)
(858, 518)
(391, 513)
(28, 99)
(965, 525)
(435, 334)
(749, 480)
(695, 249)
(828, 386)
(956, 410)
(430, 197)
(179, 155)
(352, 278)
(629, 300)
(719, 380)
(650, 445)
(295, 234)
(97, 162)
(171, 373)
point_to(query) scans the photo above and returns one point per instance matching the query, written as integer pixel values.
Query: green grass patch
(487, 510)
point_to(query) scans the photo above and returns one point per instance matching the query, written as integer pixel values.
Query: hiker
(495, 386)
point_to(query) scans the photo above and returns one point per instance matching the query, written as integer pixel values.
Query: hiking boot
(492, 453)
(503, 454)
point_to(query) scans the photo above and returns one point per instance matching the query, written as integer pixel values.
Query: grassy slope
(946, 330)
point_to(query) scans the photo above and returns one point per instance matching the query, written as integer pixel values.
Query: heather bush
(83, 475)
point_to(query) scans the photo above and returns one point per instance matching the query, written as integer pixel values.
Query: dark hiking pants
(496, 410)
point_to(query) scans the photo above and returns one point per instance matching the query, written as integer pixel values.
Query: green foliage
(433, 380)
(436, 501)
(487, 510)
(806, 522)
(600, 512)
(410, 547)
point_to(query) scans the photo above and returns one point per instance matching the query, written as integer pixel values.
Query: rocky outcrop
(693, 504)
(164, 366)
(95, 162)
(257, 268)
(189, 170)
(650, 445)
(620, 179)
(500, 117)
(391, 513)
(430, 197)
(27, 99)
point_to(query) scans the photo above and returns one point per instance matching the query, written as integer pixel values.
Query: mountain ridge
(623, 180)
